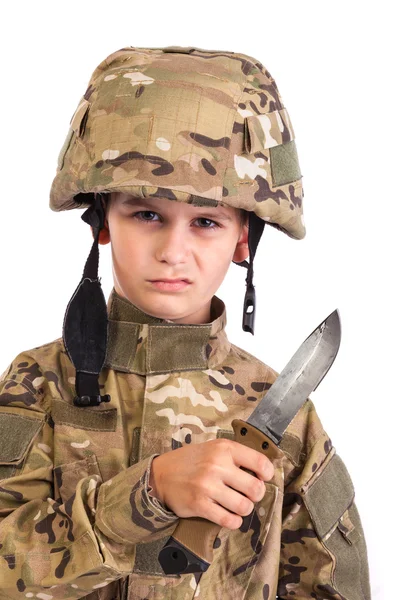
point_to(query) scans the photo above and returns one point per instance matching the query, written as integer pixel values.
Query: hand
(203, 480)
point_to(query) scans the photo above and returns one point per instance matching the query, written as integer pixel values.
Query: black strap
(85, 324)
(256, 228)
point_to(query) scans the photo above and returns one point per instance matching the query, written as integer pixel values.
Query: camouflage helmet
(206, 127)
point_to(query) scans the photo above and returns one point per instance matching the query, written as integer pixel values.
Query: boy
(113, 433)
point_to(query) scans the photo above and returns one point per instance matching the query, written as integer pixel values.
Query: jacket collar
(143, 344)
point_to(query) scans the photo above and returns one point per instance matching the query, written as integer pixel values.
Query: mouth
(170, 280)
(170, 285)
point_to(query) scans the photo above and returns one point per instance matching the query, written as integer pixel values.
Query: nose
(173, 246)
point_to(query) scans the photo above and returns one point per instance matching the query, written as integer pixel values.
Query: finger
(232, 500)
(219, 515)
(245, 483)
(252, 460)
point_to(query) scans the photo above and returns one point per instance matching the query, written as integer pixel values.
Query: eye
(145, 215)
(207, 223)
(149, 216)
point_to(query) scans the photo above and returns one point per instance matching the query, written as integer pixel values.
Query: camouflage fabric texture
(188, 124)
(77, 515)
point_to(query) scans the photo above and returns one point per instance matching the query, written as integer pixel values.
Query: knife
(190, 548)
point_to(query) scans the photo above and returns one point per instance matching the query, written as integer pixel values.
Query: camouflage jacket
(77, 519)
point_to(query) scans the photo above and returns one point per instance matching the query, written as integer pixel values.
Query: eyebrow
(134, 201)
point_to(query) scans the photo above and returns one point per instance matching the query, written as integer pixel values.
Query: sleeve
(72, 547)
(323, 548)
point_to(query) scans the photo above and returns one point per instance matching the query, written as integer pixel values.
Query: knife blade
(190, 548)
(303, 374)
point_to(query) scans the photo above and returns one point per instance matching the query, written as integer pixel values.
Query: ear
(242, 247)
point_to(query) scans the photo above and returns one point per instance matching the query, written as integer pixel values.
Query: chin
(161, 310)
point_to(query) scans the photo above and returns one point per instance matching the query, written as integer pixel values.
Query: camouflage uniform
(77, 517)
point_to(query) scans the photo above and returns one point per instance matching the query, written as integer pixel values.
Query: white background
(335, 66)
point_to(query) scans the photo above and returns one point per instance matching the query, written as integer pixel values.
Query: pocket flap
(267, 130)
(16, 435)
(328, 498)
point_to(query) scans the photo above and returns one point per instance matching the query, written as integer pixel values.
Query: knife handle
(190, 548)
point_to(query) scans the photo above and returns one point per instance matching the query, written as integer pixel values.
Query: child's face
(155, 239)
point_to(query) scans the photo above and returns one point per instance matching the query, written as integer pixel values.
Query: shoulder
(239, 370)
(245, 356)
(251, 366)
(36, 375)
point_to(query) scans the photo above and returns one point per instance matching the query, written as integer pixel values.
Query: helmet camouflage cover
(192, 125)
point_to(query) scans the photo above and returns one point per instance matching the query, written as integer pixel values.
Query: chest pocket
(330, 503)
(77, 462)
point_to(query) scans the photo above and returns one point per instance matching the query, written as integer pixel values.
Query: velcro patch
(84, 418)
(329, 496)
(16, 435)
(285, 166)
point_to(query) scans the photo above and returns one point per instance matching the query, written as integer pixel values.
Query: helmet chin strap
(256, 228)
(85, 324)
